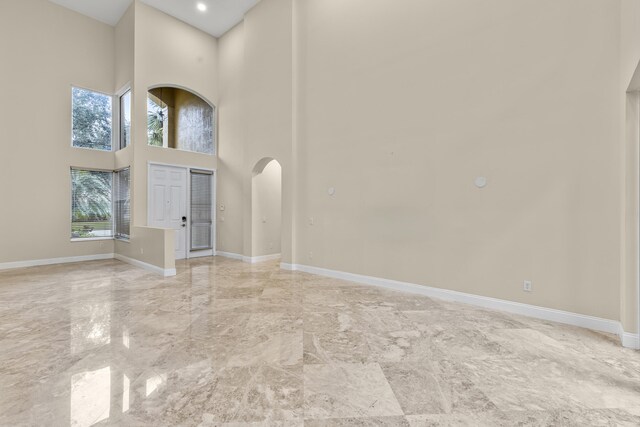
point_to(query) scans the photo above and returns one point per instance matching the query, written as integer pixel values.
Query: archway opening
(266, 210)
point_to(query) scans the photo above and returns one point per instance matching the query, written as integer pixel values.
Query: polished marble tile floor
(227, 343)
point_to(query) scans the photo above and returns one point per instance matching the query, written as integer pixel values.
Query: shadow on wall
(266, 208)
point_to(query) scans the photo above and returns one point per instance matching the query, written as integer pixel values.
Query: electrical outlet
(310, 255)
(527, 286)
(311, 221)
(141, 251)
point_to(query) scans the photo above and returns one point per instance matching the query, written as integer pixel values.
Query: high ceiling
(218, 18)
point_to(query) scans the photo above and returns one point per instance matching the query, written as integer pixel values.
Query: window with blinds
(201, 210)
(121, 204)
(91, 208)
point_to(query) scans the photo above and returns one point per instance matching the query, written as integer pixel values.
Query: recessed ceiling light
(202, 7)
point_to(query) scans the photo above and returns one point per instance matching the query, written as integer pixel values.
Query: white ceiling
(107, 11)
(220, 16)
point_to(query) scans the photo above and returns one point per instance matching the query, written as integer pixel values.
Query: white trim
(205, 99)
(187, 204)
(201, 254)
(214, 203)
(229, 255)
(248, 259)
(560, 316)
(634, 341)
(180, 165)
(262, 258)
(214, 217)
(214, 207)
(630, 340)
(50, 261)
(287, 266)
(113, 112)
(90, 239)
(166, 272)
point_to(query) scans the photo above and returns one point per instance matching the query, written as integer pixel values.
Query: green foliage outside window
(91, 203)
(156, 116)
(91, 119)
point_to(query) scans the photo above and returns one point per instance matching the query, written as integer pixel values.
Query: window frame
(113, 236)
(88, 239)
(214, 119)
(114, 126)
(113, 207)
(118, 100)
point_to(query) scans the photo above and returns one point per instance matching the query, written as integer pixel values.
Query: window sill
(122, 239)
(98, 150)
(89, 239)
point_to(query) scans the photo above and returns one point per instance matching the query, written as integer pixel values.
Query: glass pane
(91, 116)
(125, 119)
(179, 119)
(194, 124)
(122, 204)
(157, 113)
(201, 211)
(91, 204)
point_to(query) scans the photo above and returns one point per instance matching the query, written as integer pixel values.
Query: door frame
(188, 168)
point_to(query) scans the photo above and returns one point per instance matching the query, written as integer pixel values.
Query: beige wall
(266, 207)
(150, 245)
(256, 118)
(630, 81)
(630, 33)
(231, 166)
(60, 48)
(124, 69)
(401, 108)
(45, 50)
(267, 104)
(398, 108)
(185, 58)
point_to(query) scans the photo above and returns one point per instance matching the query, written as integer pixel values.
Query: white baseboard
(590, 322)
(630, 340)
(166, 272)
(248, 259)
(287, 266)
(262, 258)
(201, 254)
(229, 255)
(50, 261)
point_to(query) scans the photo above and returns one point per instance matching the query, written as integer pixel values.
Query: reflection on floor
(227, 343)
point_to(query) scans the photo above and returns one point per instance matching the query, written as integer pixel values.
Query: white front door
(168, 202)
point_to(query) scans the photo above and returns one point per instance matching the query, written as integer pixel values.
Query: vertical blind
(122, 203)
(201, 210)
